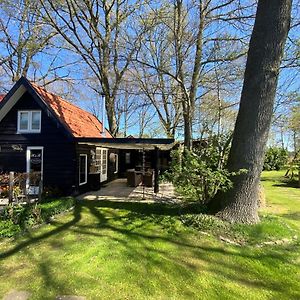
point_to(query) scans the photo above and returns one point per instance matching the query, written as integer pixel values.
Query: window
(100, 163)
(103, 176)
(127, 158)
(82, 169)
(98, 160)
(29, 121)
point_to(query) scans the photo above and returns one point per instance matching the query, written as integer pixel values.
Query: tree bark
(271, 27)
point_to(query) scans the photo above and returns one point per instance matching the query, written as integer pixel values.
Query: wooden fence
(20, 187)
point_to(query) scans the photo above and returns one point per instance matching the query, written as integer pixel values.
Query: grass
(114, 250)
(283, 197)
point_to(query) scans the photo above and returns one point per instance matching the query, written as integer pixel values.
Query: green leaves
(17, 218)
(199, 174)
(275, 158)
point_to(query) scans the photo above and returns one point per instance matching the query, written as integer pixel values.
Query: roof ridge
(64, 100)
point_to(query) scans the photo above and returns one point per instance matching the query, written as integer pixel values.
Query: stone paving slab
(17, 295)
(118, 190)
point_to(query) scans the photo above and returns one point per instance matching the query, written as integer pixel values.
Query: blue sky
(82, 95)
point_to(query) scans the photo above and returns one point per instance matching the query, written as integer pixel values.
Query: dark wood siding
(93, 179)
(84, 149)
(59, 150)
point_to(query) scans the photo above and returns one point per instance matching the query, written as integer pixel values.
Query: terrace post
(156, 171)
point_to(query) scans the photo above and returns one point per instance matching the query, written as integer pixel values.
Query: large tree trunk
(111, 116)
(271, 27)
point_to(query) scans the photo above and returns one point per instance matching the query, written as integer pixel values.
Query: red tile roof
(80, 122)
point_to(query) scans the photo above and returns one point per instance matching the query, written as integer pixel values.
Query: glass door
(34, 170)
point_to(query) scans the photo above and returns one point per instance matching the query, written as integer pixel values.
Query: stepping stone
(17, 295)
(70, 297)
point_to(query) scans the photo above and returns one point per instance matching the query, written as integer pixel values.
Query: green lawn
(113, 250)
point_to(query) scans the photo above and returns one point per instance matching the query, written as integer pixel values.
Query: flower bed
(17, 218)
(4, 185)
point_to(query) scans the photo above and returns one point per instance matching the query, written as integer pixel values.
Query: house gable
(58, 150)
(76, 122)
(9, 100)
(17, 92)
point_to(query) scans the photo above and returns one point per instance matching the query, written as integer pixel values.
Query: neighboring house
(41, 132)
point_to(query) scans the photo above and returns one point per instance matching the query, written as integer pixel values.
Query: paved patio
(118, 190)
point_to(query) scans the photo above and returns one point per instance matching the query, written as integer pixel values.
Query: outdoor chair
(134, 178)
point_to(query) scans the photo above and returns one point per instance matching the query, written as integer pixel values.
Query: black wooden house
(43, 133)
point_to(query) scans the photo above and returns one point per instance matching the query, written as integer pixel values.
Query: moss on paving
(114, 250)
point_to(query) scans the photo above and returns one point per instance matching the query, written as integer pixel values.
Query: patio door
(34, 169)
(103, 153)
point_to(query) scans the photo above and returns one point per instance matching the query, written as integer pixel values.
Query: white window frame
(29, 129)
(104, 177)
(116, 163)
(86, 169)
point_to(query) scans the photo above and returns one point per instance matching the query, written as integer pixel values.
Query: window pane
(35, 122)
(104, 162)
(127, 158)
(35, 166)
(24, 120)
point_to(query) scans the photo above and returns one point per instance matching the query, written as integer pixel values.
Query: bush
(17, 218)
(275, 158)
(199, 174)
(8, 228)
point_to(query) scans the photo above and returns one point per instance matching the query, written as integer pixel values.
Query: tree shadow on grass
(281, 181)
(288, 184)
(140, 242)
(34, 239)
(292, 216)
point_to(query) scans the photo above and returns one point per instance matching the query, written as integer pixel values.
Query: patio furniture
(148, 178)
(134, 178)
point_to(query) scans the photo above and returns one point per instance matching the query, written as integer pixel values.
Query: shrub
(275, 158)
(8, 228)
(17, 218)
(51, 192)
(199, 174)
